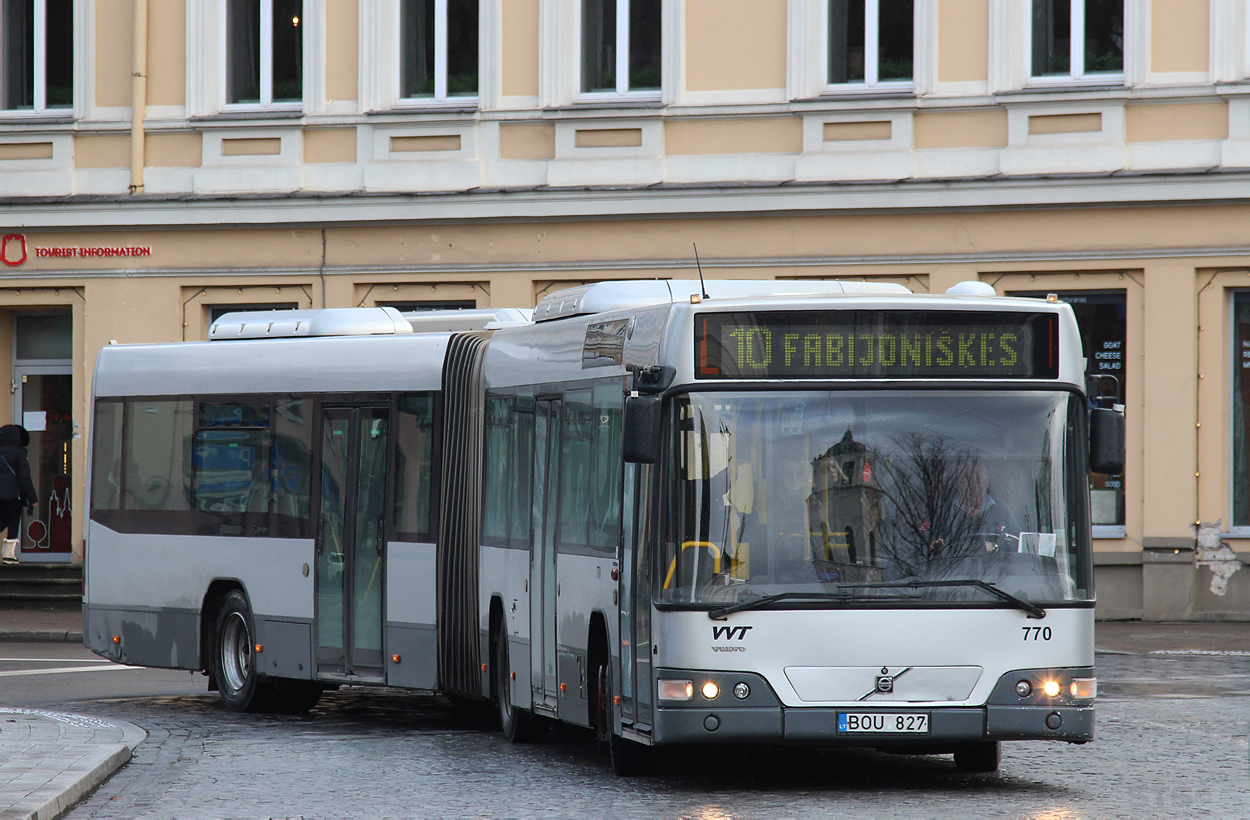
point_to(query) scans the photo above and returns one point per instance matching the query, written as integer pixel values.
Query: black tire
(603, 706)
(517, 725)
(234, 664)
(630, 759)
(979, 758)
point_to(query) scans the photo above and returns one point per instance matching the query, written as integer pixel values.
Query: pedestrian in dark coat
(16, 488)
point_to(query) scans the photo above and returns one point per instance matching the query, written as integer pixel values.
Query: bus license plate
(883, 724)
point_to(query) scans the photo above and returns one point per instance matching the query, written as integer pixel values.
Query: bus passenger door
(543, 553)
(354, 448)
(638, 573)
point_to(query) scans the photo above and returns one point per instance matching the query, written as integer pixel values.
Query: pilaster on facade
(1169, 406)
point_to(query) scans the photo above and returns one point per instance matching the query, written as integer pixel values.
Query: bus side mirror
(1106, 441)
(642, 429)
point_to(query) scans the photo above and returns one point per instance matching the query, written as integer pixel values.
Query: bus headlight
(1083, 688)
(1051, 688)
(710, 690)
(676, 689)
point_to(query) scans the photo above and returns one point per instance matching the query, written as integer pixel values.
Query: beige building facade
(199, 156)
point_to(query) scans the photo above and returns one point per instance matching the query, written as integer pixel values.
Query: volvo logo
(883, 684)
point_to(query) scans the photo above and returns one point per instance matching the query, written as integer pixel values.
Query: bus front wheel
(234, 664)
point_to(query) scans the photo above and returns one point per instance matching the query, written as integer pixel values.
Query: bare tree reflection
(939, 512)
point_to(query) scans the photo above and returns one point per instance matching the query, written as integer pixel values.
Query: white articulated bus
(858, 517)
(764, 512)
(264, 505)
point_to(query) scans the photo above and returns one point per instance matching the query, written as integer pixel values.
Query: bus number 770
(1036, 633)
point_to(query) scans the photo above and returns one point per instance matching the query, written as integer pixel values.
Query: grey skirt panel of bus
(165, 638)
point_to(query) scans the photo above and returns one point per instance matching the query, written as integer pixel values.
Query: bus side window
(414, 466)
(575, 469)
(106, 477)
(158, 454)
(606, 466)
(521, 470)
(499, 462)
(231, 458)
(292, 467)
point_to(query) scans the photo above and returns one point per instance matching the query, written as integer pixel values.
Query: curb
(61, 800)
(41, 636)
(66, 787)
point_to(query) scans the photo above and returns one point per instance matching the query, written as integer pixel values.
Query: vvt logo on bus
(730, 633)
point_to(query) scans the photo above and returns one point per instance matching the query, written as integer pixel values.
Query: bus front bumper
(756, 715)
(944, 725)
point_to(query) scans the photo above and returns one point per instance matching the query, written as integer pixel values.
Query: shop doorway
(42, 403)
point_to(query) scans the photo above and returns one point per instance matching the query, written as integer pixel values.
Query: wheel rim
(236, 652)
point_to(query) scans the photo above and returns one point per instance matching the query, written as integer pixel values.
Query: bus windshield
(850, 495)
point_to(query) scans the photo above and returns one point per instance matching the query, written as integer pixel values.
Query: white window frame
(1076, 51)
(623, 91)
(380, 63)
(39, 100)
(440, 97)
(872, 42)
(808, 54)
(266, 62)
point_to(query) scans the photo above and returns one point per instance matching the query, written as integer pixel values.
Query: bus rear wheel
(979, 757)
(234, 664)
(517, 725)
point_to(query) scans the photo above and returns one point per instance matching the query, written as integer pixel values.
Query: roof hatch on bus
(285, 324)
(600, 297)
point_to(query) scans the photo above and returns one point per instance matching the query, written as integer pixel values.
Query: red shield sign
(13, 249)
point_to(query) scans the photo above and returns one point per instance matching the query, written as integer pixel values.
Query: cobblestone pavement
(1172, 742)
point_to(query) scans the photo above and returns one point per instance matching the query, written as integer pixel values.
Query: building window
(871, 42)
(620, 46)
(438, 49)
(431, 304)
(265, 53)
(1241, 410)
(36, 55)
(1077, 39)
(1101, 317)
(215, 312)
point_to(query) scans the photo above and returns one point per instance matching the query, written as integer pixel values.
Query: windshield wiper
(1033, 610)
(720, 612)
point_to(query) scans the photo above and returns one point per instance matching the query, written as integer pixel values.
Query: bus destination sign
(876, 344)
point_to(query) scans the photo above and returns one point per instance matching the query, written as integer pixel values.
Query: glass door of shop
(42, 403)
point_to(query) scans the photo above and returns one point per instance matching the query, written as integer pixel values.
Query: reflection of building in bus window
(846, 511)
